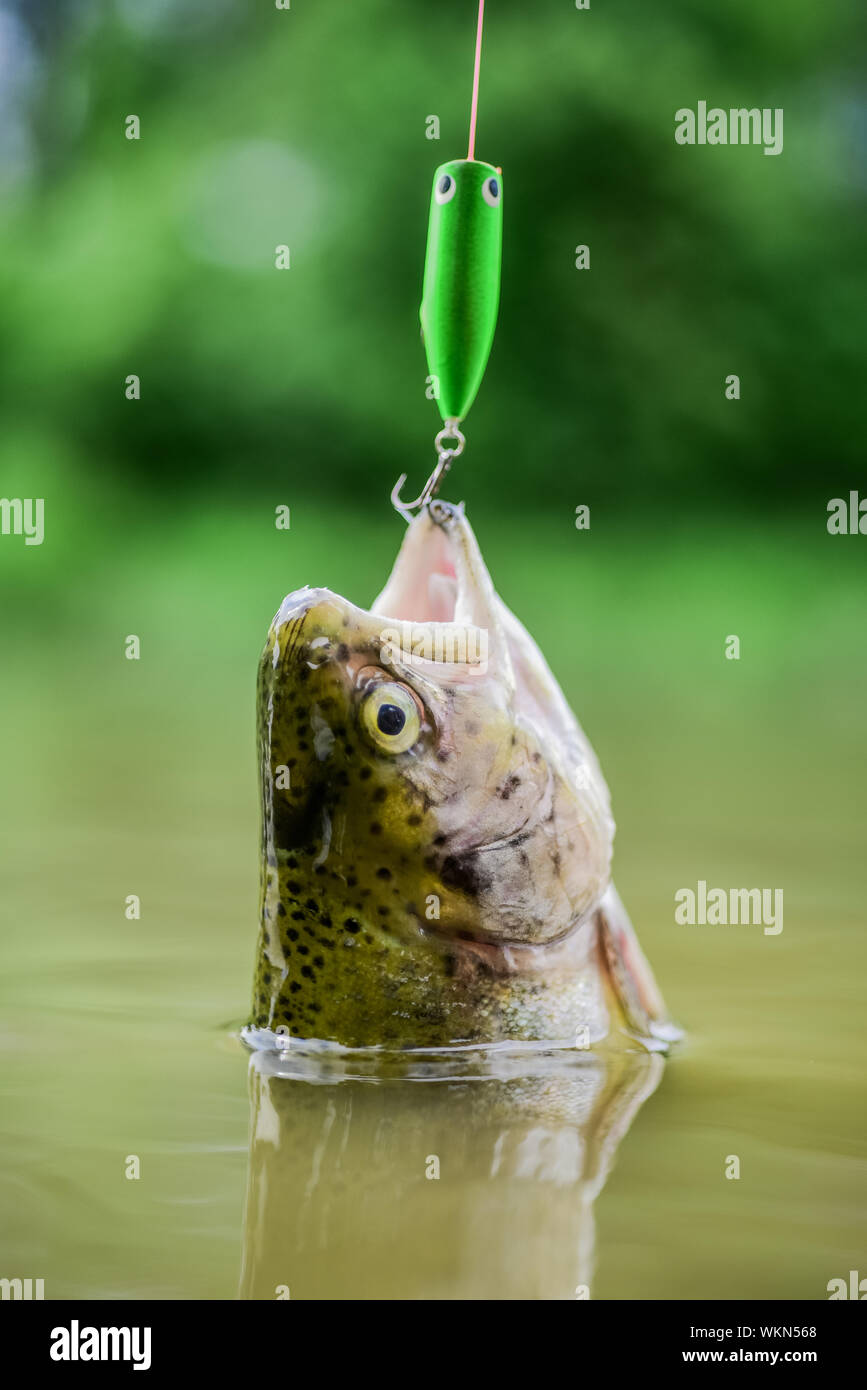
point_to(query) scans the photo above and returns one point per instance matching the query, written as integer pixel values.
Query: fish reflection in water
(476, 1180)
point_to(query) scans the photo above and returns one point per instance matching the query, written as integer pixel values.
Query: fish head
(422, 774)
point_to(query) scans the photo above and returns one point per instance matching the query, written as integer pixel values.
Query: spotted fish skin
(450, 892)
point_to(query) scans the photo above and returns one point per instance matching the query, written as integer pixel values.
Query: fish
(436, 830)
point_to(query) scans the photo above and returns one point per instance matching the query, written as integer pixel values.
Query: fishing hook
(450, 430)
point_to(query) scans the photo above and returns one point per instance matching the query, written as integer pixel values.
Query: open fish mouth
(437, 611)
(438, 601)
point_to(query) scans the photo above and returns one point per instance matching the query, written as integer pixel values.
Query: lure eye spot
(445, 189)
(491, 192)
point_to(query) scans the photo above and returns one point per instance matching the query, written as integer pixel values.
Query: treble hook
(450, 430)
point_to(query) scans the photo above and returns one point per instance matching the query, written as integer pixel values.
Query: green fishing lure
(462, 280)
(461, 292)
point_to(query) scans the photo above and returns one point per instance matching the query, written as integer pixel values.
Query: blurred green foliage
(307, 127)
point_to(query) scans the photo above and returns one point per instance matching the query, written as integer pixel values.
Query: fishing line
(474, 107)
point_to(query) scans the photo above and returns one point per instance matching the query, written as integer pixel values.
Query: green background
(307, 128)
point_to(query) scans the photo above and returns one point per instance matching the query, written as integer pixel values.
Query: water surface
(139, 778)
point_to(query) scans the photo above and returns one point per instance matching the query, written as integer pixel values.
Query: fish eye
(445, 188)
(390, 717)
(491, 192)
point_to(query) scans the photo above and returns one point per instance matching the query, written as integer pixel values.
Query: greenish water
(125, 777)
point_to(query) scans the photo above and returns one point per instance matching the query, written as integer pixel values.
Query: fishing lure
(461, 290)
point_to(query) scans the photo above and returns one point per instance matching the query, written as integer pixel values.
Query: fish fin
(631, 977)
